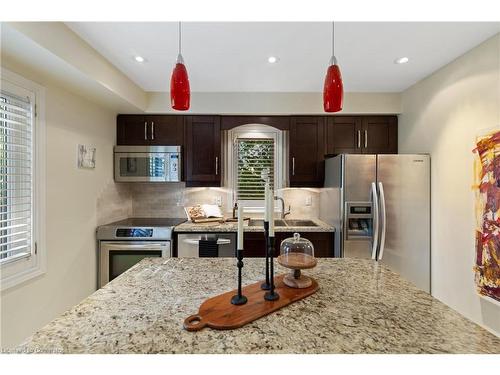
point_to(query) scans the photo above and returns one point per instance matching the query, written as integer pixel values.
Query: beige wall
(441, 115)
(276, 103)
(72, 196)
(54, 42)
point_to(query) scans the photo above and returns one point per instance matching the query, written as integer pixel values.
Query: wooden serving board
(219, 313)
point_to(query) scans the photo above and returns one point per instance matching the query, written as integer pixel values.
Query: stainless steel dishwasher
(196, 245)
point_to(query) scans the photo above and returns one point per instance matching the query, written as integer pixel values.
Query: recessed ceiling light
(139, 59)
(272, 59)
(402, 60)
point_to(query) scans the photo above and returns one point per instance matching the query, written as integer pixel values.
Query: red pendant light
(180, 93)
(333, 91)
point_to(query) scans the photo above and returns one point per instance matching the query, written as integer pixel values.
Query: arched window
(250, 149)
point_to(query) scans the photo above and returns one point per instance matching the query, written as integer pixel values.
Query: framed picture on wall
(86, 157)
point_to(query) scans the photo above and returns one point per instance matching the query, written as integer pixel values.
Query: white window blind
(16, 176)
(253, 156)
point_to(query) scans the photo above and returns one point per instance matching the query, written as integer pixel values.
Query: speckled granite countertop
(233, 227)
(361, 307)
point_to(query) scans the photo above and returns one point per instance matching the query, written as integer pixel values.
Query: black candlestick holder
(266, 285)
(271, 295)
(239, 299)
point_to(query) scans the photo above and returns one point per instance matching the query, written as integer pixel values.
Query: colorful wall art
(487, 188)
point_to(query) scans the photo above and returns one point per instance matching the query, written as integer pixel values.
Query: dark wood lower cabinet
(254, 243)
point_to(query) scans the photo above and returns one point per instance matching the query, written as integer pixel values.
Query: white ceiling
(232, 57)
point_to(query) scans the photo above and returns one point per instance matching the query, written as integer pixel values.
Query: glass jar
(297, 253)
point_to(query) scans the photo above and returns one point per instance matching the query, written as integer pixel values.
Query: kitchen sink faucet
(283, 212)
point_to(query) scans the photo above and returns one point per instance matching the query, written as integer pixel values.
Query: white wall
(71, 211)
(442, 115)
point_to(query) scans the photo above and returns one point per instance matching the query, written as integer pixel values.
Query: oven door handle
(196, 241)
(125, 246)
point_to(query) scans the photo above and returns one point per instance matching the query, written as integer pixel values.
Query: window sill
(21, 277)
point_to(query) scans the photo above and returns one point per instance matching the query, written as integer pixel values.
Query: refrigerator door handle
(384, 220)
(375, 220)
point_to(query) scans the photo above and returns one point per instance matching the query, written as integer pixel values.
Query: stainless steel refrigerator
(380, 207)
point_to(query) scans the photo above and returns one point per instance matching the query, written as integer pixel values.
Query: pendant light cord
(180, 46)
(333, 38)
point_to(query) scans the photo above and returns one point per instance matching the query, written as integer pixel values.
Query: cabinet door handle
(216, 165)
(152, 130)
(293, 166)
(145, 130)
(359, 138)
(366, 138)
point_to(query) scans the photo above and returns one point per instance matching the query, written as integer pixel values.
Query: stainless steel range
(124, 243)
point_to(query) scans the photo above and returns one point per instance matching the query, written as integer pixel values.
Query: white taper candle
(271, 213)
(240, 226)
(266, 197)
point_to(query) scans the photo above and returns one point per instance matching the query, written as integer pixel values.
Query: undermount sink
(284, 223)
(300, 223)
(260, 223)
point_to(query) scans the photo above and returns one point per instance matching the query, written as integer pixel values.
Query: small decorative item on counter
(204, 213)
(235, 209)
(297, 254)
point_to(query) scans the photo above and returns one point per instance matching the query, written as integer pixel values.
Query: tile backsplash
(168, 200)
(114, 203)
(304, 202)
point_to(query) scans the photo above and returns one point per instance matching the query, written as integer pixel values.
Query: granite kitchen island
(361, 307)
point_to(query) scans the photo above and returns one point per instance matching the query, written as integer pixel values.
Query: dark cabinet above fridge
(362, 135)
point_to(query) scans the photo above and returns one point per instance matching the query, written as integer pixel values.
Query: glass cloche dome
(297, 254)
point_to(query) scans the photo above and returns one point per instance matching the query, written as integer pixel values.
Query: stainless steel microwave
(147, 163)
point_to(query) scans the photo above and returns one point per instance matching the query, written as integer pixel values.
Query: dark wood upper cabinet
(380, 135)
(166, 130)
(307, 149)
(343, 135)
(278, 122)
(362, 135)
(131, 130)
(202, 151)
(310, 139)
(140, 130)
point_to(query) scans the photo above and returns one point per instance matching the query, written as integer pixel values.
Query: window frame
(248, 131)
(17, 271)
